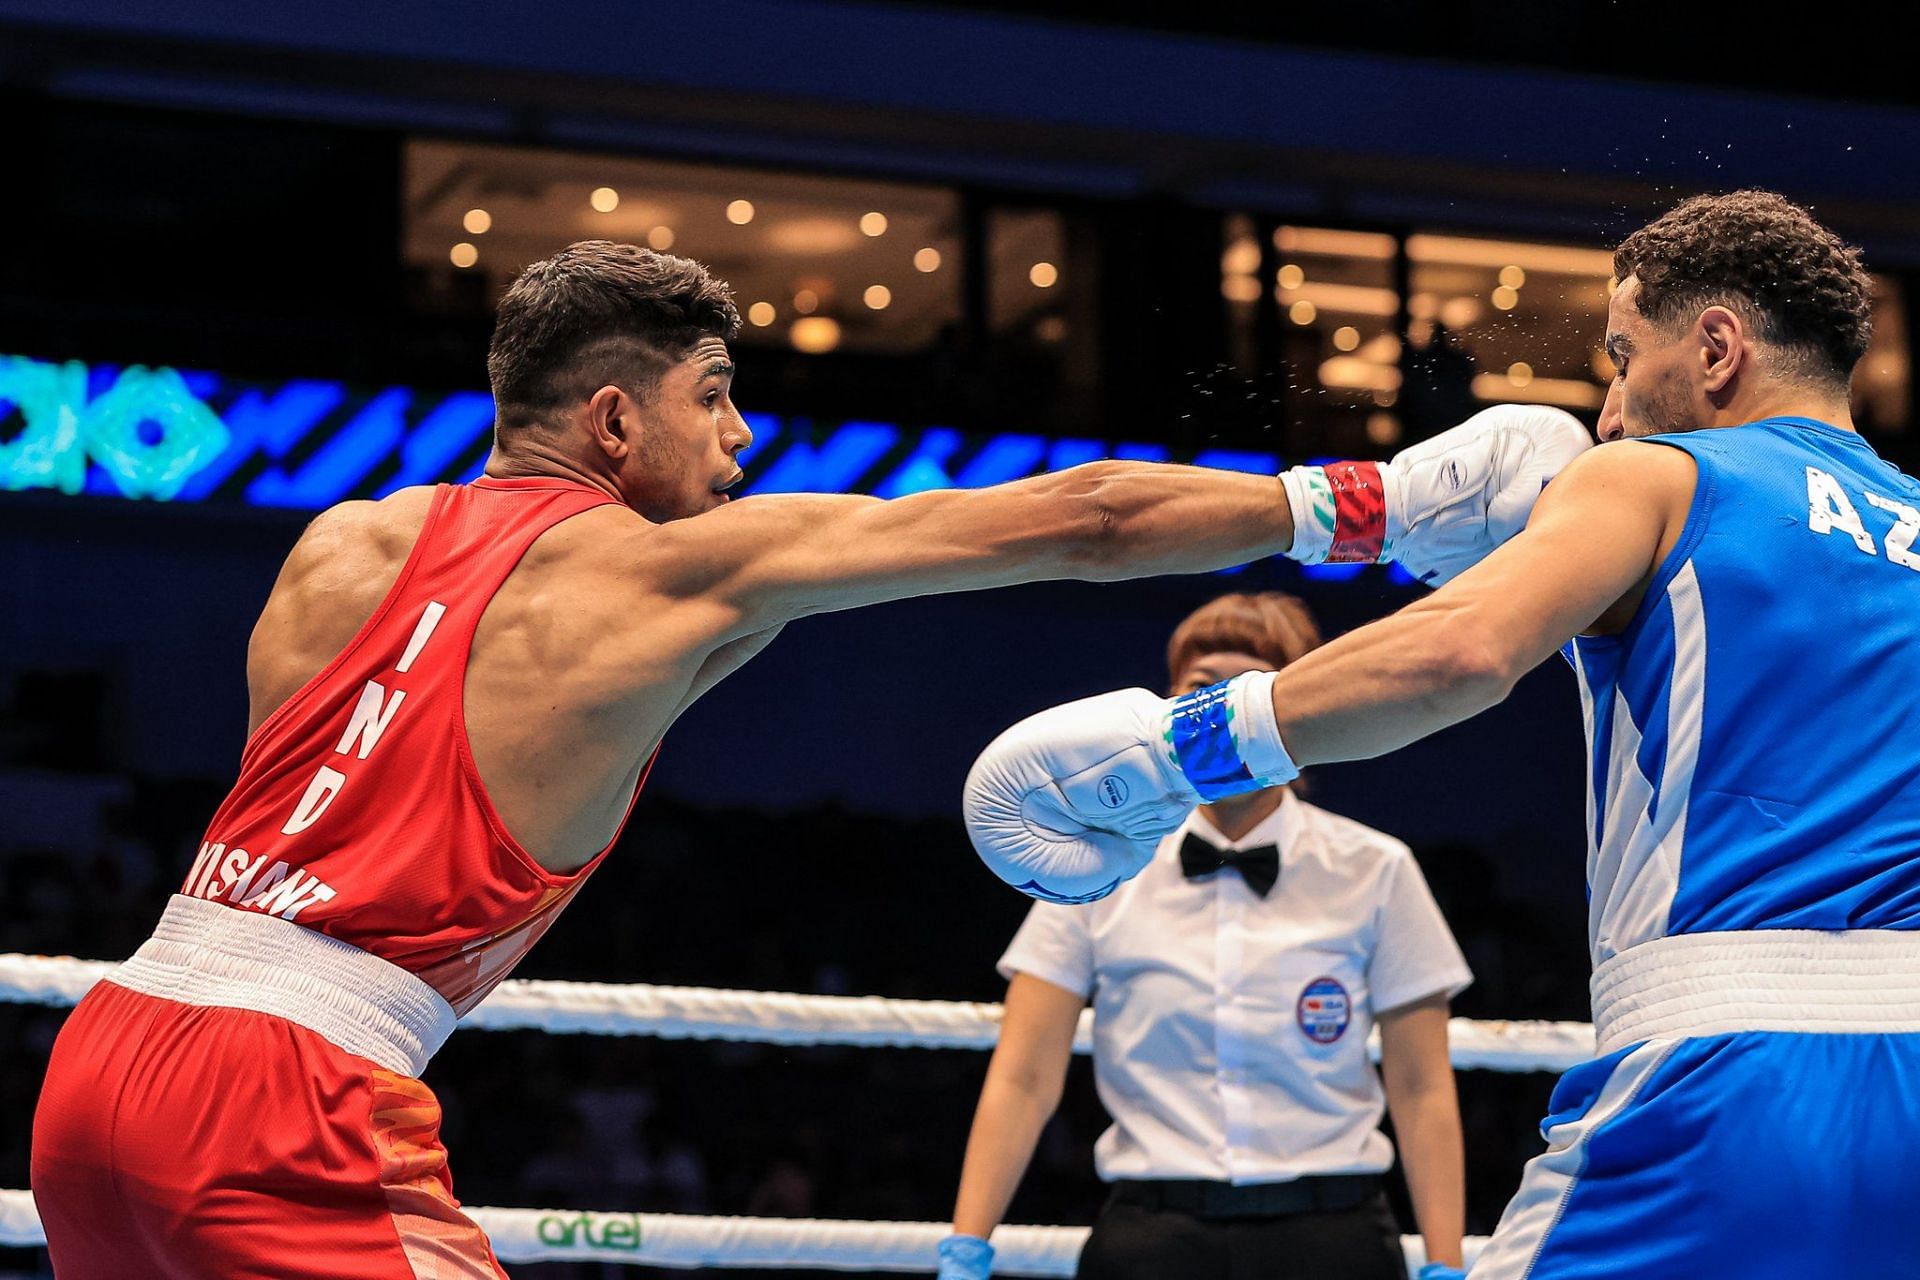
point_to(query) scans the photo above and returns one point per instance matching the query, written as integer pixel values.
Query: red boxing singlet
(285, 1056)
(359, 812)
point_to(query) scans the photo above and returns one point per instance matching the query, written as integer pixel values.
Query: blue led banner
(169, 435)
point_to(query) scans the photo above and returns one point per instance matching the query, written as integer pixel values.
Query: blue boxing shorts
(1755, 1114)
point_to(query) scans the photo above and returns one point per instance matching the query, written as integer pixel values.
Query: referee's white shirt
(1230, 1031)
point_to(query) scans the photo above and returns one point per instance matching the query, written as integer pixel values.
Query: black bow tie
(1258, 866)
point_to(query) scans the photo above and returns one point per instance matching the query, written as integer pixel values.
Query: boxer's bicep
(1594, 539)
(1591, 546)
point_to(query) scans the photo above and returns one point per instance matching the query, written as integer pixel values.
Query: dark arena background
(248, 257)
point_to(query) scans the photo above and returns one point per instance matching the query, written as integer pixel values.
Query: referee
(1235, 982)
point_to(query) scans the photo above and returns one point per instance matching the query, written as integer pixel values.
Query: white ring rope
(680, 1240)
(705, 1013)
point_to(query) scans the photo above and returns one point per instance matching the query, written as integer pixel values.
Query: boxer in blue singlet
(1737, 585)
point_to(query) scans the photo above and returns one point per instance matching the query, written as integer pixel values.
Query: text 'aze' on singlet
(1754, 733)
(359, 812)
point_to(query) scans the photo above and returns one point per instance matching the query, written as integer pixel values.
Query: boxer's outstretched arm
(784, 556)
(1586, 555)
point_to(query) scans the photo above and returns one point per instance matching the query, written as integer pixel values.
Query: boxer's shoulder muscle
(639, 612)
(597, 591)
(1644, 485)
(334, 578)
(578, 666)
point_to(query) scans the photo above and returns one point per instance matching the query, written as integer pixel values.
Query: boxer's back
(560, 721)
(427, 696)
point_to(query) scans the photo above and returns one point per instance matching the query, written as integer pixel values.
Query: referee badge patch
(1324, 1010)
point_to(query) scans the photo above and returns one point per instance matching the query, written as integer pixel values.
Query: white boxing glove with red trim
(1441, 506)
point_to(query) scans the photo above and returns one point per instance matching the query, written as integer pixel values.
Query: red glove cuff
(1359, 512)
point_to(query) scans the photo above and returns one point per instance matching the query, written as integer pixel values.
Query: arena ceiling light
(1334, 242)
(1569, 393)
(1346, 299)
(769, 233)
(1554, 259)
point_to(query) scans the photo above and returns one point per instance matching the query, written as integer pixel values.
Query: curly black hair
(1800, 286)
(596, 314)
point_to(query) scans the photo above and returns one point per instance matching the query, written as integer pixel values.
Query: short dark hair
(1269, 625)
(599, 313)
(1801, 287)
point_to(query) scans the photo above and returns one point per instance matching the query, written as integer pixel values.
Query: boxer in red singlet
(455, 695)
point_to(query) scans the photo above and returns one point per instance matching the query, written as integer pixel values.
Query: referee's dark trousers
(1320, 1228)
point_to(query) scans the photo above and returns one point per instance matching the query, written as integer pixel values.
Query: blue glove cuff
(966, 1256)
(1441, 1271)
(1204, 746)
(1217, 740)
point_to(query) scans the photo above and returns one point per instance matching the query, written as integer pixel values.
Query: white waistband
(1703, 984)
(202, 953)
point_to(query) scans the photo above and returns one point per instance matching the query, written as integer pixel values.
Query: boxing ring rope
(703, 1013)
(764, 1017)
(686, 1241)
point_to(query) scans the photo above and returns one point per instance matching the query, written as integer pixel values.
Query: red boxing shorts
(182, 1138)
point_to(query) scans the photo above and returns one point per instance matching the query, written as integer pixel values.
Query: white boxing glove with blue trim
(1069, 803)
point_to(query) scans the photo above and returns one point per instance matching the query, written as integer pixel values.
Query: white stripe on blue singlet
(1550, 1177)
(1582, 680)
(1634, 870)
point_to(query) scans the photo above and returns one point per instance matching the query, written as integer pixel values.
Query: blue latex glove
(965, 1258)
(1441, 1271)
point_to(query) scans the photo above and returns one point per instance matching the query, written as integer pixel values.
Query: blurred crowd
(824, 901)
